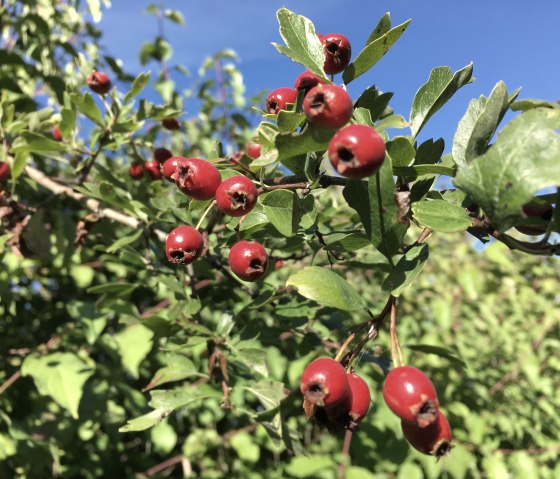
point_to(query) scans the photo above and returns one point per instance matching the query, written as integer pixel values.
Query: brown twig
(345, 454)
(172, 461)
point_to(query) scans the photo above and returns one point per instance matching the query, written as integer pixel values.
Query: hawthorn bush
(116, 362)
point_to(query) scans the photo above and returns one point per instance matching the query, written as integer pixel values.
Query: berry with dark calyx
(57, 136)
(254, 150)
(197, 178)
(324, 383)
(278, 99)
(183, 245)
(4, 171)
(434, 439)
(411, 395)
(236, 196)
(532, 210)
(98, 82)
(171, 124)
(337, 52)
(306, 81)
(360, 397)
(161, 155)
(356, 151)
(248, 260)
(328, 106)
(170, 167)
(136, 171)
(153, 169)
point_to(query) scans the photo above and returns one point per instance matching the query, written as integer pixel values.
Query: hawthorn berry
(532, 210)
(98, 82)
(197, 178)
(254, 150)
(324, 382)
(360, 397)
(183, 245)
(434, 439)
(57, 136)
(306, 81)
(171, 124)
(236, 196)
(357, 151)
(328, 106)
(337, 52)
(170, 167)
(161, 155)
(4, 171)
(248, 260)
(153, 169)
(278, 99)
(136, 171)
(411, 395)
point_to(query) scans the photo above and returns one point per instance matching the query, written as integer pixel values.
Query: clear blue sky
(515, 41)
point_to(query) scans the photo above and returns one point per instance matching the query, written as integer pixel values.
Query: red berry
(4, 171)
(153, 169)
(411, 395)
(136, 171)
(254, 150)
(98, 82)
(197, 178)
(360, 397)
(279, 263)
(170, 167)
(236, 196)
(183, 245)
(328, 106)
(278, 99)
(306, 81)
(161, 155)
(324, 382)
(434, 439)
(543, 212)
(357, 151)
(248, 260)
(57, 136)
(337, 52)
(171, 124)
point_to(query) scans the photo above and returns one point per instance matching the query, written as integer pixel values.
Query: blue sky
(515, 41)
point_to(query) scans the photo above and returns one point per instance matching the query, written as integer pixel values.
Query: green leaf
(245, 447)
(356, 195)
(134, 343)
(326, 288)
(125, 240)
(282, 209)
(175, 16)
(252, 355)
(383, 26)
(375, 101)
(421, 170)
(138, 85)
(479, 124)
(362, 116)
(431, 96)
(407, 269)
(373, 52)
(31, 142)
(290, 145)
(391, 121)
(437, 351)
(119, 288)
(59, 375)
(177, 367)
(529, 104)
(95, 10)
(400, 149)
(67, 122)
(440, 215)
(523, 160)
(269, 393)
(144, 422)
(20, 162)
(87, 106)
(312, 466)
(302, 43)
(289, 120)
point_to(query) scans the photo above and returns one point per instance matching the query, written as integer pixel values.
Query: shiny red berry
(337, 52)
(236, 196)
(171, 124)
(183, 245)
(170, 167)
(197, 178)
(357, 151)
(434, 439)
(248, 260)
(136, 171)
(324, 382)
(306, 81)
(278, 99)
(411, 395)
(254, 150)
(4, 171)
(153, 169)
(161, 155)
(99, 82)
(531, 210)
(57, 136)
(360, 397)
(328, 106)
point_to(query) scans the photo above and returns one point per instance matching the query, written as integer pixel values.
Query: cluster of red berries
(355, 151)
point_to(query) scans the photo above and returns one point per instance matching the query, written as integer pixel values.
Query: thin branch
(345, 454)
